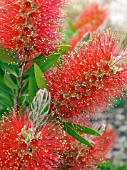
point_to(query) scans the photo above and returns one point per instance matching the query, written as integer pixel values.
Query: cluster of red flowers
(92, 16)
(49, 148)
(30, 27)
(78, 156)
(39, 153)
(90, 77)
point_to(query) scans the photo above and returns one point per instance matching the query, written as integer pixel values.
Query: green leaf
(118, 102)
(1, 72)
(86, 37)
(63, 48)
(46, 108)
(12, 69)
(27, 102)
(46, 62)
(106, 165)
(25, 88)
(32, 86)
(4, 87)
(26, 74)
(68, 35)
(84, 129)
(9, 82)
(15, 70)
(123, 167)
(4, 111)
(6, 56)
(21, 100)
(5, 98)
(71, 26)
(73, 133)
(39, 76)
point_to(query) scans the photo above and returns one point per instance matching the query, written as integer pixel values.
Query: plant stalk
(20, 85)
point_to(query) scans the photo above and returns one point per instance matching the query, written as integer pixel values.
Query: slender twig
(20, 84)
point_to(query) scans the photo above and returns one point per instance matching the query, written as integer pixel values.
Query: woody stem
(20, 84)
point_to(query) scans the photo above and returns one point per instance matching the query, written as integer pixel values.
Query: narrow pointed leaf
(46, 108)
(21, 100)
(4, 87)
(84, 129)
(9, 82)
(12, 69)
(71, 26)
(86, 37)
(46, 62)
(39, 76)
(73, 133)
(32, 85)
(5, 98)
(4, 111)
(64, 48)
(25, 88)
(106, 165)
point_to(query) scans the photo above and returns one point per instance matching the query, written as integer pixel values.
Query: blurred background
(117, 11)
(116, 20)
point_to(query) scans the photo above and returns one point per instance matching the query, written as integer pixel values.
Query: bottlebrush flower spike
(89, 20)
(20, 150)
(78, 38)
(79, 156)
(30, 27)
(90, 77)
(92, 16)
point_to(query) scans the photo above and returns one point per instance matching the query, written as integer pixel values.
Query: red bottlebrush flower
(77, 39)
(93, 15)
(30, 27)
(90, 77)
(89, 20)
(81, 157)
(19, 151)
